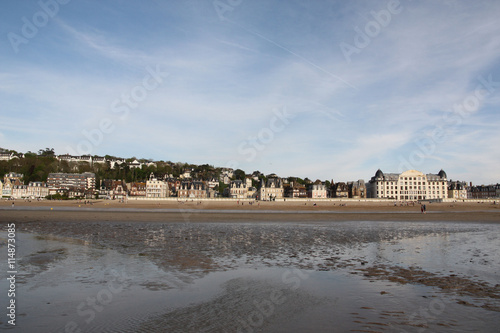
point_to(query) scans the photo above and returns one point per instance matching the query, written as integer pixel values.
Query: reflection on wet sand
(273, 277)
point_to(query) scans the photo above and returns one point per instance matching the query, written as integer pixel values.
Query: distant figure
(12, 204)
(425, 209)
(422, 209)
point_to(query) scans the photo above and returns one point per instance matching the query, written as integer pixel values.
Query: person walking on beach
(12, 204)
(422, 208)
(425, 209)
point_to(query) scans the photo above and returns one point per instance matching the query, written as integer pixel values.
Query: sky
(318, 89)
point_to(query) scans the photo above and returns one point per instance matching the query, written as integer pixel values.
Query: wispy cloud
(225, 78)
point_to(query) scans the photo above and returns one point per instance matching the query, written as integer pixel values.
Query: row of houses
(88, 159)
(70, 184)
(410, 185)
(102, 160)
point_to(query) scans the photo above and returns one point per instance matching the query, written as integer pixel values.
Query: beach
(243, 211)
(169, 266)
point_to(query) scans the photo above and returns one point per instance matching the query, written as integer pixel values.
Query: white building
(33, 190)
(457, 190)
(19, 191)
(7, 156)
(271, 190)
(317, 191)
(409, 185)
(156, 188)
(238, 189)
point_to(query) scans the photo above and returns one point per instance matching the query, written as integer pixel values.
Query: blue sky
(318, 89)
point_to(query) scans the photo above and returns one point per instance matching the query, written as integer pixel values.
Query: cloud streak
(226, 77)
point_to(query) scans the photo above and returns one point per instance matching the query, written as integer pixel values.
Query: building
(7, 156)
(483, 192)
(84, 158)
(173, 185)
(317, 190)
(37, 190)
(457, 190)
(136, 189)
(212, 183)
(237, 189)
(192, 190)
(7, 190)
(75, 184)
(357, 189)
(12, 178)
(271, 190)
(156, 188)
(9, 181)
(339, 190)
(409, 185)
(19, 191)
(294, 190)
(113, 189)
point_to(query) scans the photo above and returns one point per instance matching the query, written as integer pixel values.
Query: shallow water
(274, 277)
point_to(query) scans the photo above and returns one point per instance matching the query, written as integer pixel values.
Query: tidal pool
(269, 277)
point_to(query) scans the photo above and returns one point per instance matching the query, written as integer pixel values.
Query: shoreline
(229, 211)
(68, 216)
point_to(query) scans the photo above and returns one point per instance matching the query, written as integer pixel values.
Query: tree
(239, 174)
(46, 152)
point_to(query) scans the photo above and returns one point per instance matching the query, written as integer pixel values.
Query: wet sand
(216, 211)
(221, 277)
(278, 267)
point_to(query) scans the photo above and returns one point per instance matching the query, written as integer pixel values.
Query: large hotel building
(409, 185)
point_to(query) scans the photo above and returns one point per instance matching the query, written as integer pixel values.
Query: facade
(83, 158)
(7, 156)
(34, 190)
(212, 183)
(38, 190)
(136, 189)
(237, 189)
(156, 188)
(113, 189)
(13, 178)
(9, 181)
(409, 185)
(271, 190)
(76, 184)
(457, 190)
(483, 192)
(7, 190)
(173, 185)
(192, 190)
(339, 190)
(317, 191)
(295, 190)
(19, 191)
(357, 189)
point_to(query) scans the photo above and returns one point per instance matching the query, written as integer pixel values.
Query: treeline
(36, 167)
